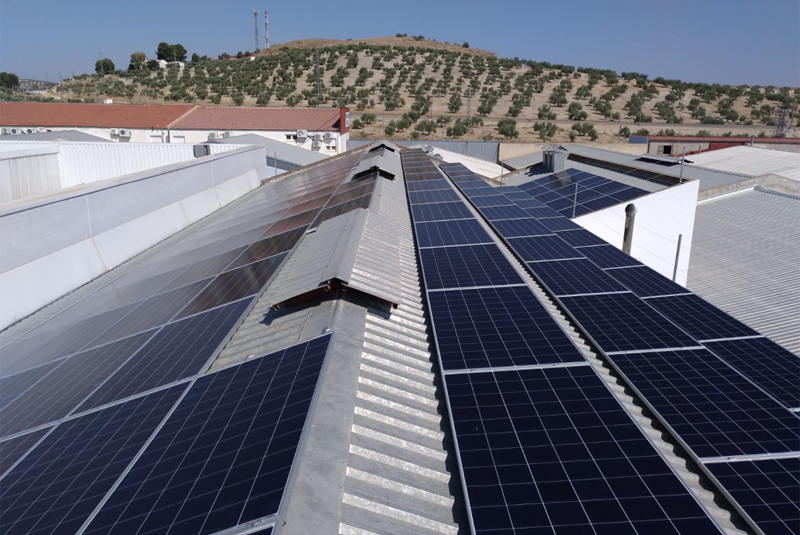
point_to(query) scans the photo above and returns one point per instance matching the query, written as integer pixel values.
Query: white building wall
(44, 258)
(29, 172)
(661, 217)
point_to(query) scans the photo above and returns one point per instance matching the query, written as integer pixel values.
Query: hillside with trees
(413, 87)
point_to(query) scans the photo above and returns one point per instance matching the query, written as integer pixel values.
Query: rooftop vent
(554, 158)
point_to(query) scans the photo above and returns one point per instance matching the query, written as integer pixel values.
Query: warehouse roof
(726, 139)
(60, 135)
(754, 161)
(89, 115)
(210, 118)
(278, 150)
(745, 257)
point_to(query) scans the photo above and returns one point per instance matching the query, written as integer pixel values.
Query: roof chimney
(553, 158)
(627, 237)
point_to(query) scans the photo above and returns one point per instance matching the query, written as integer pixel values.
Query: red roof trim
(727, 139)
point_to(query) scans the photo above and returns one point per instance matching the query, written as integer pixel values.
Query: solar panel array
(725, 391)
(543, 445)
(82, 393)
(573, 193)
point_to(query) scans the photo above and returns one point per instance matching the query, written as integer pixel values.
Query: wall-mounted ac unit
(15, 131)
(212, 135)
(115, 131)
(302, 134)
(226, 134)
(124, 132)
(5, 131)
(328, 136)
(317, 137)
(30, 130)
(316, 145)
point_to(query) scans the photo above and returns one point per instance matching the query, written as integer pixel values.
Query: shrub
(508, 128)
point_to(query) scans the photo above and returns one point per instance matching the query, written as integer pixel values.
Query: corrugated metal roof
(61, 135)
(745, 258)
(753, 161)
(484, 150)
(275, 149)
(521, 162)
(311, 119)
(727, 139)
(97, 115)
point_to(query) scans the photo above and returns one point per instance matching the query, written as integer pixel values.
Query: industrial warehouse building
(383, 343)
(324, 130)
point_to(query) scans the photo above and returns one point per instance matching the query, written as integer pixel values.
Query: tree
(357, 124)
(465, 45)
(368, 118)
(576, 113)
(164, 51)
(138, 61)
(103, 66)
(545, 112)
(457, 130)
(8, 80)
(152, 65)
(508, 128)
(195, 58)
(455, 103)
(546, 130)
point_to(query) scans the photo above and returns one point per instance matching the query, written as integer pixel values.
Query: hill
(419, 88)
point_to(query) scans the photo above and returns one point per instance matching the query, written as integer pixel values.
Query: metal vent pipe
(627, 237)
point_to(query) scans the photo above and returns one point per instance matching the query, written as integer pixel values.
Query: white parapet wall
(53, 244)
(661, 218)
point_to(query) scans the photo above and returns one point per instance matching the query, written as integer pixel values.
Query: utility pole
(255, 21)
(469, 109)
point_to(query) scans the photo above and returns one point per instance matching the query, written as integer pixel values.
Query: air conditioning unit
(5, 131)
(226, 134)
(302, 134)
(212, 135)
(328, 136)
(15, 131)
(316, 145)
(317, 137)
(115, 131)
(124, 132)
(41, 129)
(30, 130)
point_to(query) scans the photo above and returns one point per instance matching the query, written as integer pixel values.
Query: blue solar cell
(224, 456)
(178, 351)
(58, 484)
(764, 362)
(700, 318)
(623, 322)
(570, 277)
(559, 223)
(766, 489)
(646, 282)
(496, 213)
(608, 256)
(440, 212)
(552, 451)
(493, 327)
(513, 193)
(14, 385)
(541, 211)
(424, 185)
(543, 248)
(485, 201)
(13, 449)
(713, 409)
(433, 196)
(527, 203)
(467, 266)
(443, 233)
(580, 237)
(517, 228)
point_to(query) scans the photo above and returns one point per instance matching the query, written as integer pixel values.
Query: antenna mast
(255, 20)
(266, 30)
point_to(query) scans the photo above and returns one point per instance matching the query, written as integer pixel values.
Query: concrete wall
(29, 171)
(54, 244)
(661, 217)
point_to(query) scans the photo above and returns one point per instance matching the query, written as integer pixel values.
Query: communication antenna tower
(266, 30)
(255, 20)
(783, 121)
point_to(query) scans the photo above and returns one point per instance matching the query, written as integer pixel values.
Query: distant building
(323, 130)
(675, 145)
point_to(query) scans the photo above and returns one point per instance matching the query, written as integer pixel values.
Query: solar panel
(580, 237)
(608, 256)
(623, 322)
(700, 318)
(552, 451)
(539, 211)
(646, 282)
(13, 449)
(205, 268)
(571, 277)
(426, 185)
(59, 483)
(543, 248)
(504, 212)
(268, 247)
(442, 233)
(178, 351)
(558, 223)
(234, 285)
(764, 362)
(57, 394)
(513, 228)
(14, 385)
(766, 489)
(224, 456)
(485, 201)
(440, 212)
(467, 266)
(712, 408)
(433, 196)
(493, 327)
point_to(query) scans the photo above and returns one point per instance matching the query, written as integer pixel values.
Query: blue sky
(723, 41)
